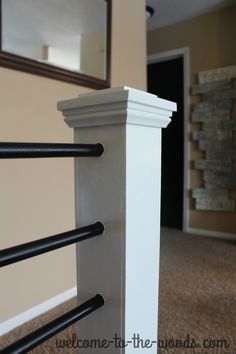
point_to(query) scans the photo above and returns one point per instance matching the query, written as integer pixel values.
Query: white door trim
(169, 55)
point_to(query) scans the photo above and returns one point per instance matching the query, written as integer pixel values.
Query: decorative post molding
(122, 190)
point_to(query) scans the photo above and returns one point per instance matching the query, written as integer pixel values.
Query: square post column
(122, 190)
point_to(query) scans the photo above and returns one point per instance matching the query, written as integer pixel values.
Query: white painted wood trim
(115, 106)
(209, 233)
(169, 55)
(37, 310)
(122, 190)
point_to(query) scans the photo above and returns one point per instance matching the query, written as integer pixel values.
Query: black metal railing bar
(47, 244)
(14, 150)
(42, 334)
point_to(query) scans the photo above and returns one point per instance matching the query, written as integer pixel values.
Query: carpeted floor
(197, 299)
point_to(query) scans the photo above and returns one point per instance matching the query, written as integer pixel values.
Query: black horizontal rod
(39, 336)
(36, 150)
(34, 248)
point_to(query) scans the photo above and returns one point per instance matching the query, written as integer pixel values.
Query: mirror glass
(68, 34)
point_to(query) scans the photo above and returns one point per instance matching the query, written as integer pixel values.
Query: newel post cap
(121, 105)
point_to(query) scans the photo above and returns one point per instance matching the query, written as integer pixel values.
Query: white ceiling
(172, 11)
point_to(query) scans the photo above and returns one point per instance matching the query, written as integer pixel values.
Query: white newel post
(122, 190)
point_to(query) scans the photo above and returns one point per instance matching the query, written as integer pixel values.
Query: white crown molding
(122, 105)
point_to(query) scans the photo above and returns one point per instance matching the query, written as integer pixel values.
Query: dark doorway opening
(165, 79)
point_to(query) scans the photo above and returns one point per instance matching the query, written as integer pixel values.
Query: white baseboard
(208, 233)
(37, 310)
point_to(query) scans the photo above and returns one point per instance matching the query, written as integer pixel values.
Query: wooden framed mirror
(68, 40)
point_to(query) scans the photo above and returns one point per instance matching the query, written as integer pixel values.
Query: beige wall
(37, 196)
(211, 39)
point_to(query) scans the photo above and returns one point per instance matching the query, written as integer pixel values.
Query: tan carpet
(197, 298)
(197, 291)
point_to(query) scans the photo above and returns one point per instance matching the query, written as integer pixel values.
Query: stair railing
(121, 188)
